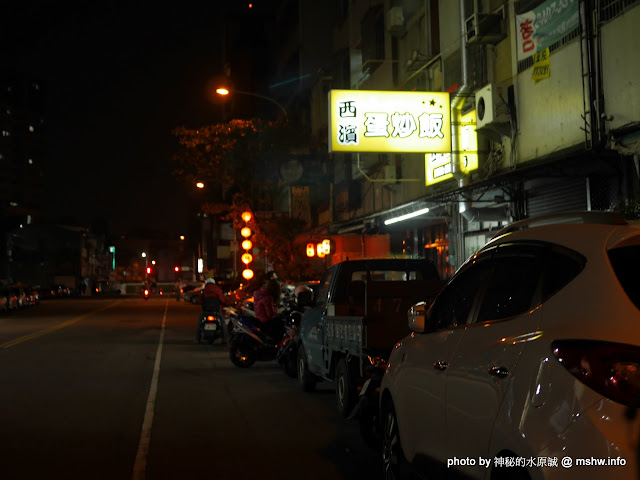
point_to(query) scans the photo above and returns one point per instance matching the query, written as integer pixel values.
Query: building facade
(22, 153)
(549, 89)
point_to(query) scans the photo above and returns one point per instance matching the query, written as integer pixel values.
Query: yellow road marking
(54, 328)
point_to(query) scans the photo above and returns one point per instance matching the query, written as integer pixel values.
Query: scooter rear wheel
(241, 354)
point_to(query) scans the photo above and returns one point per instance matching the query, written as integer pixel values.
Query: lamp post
(146, 265)
(203, 244)
(225, 91)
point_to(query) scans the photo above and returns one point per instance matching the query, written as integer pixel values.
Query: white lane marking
(140, 464)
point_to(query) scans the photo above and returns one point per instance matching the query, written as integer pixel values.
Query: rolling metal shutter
(557, 195)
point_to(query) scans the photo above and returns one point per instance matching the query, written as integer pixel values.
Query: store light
(406, 217)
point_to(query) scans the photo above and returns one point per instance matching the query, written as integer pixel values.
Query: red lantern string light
(246, 258)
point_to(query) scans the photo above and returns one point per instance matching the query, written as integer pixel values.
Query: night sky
(118, 79)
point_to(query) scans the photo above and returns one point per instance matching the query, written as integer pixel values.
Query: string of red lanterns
(246, 258)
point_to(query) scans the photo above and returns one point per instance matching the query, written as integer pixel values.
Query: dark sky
(119, 77)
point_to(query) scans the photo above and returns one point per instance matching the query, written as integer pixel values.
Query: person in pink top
(266, 308)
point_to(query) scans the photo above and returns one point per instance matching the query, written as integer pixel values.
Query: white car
(527, 365)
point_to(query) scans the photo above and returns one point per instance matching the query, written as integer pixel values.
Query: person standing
(178, 290)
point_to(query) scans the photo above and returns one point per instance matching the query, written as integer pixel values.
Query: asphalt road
(117, 389)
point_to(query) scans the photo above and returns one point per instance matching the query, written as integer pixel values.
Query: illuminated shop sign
(380, 121)
(438, 165)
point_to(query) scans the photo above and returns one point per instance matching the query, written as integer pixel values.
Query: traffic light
(176, 269)
(148, 270)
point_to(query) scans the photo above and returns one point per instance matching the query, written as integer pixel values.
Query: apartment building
(544, 110)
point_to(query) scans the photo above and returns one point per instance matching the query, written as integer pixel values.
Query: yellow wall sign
(438, 165)
(384, 121)
(541, 65)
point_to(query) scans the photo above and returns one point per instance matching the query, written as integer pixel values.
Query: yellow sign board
(385, 121)
(541, 65)
(438, 166)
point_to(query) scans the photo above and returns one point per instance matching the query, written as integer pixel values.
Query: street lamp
(146, 264)
(203, 247)
(225, 91)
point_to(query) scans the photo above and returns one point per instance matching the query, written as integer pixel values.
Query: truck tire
(306, 379)
(345, 389)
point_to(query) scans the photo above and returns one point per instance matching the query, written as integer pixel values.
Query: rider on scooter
(212, 299)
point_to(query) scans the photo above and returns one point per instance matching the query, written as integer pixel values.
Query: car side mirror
(417, 317)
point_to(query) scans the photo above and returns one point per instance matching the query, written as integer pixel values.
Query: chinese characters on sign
(438, 166)
(544, 25)
(377, 121)
(541, 65)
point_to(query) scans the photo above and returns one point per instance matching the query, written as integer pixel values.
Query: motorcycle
(366, 409)
(145, 293)
(211, 327)
(249, 343)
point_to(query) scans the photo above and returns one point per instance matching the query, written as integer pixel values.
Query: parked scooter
(366, 409)
(249, 343)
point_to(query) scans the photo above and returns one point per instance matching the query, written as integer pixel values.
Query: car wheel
(306, 379)
(345, 390)
(393, 460)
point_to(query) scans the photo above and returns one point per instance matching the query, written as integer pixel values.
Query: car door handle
(500, 372)
(440, 366)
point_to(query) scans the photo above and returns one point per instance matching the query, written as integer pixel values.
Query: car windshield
(626, 264)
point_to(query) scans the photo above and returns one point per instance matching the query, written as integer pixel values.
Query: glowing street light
(225, 91)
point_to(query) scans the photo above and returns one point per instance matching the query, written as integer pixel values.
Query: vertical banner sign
(438, 166)
(541, 65)
(382, 121)
(544, 25)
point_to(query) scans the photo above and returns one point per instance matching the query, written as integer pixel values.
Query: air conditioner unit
(395, 22)
(486, 27)
(492, 110)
